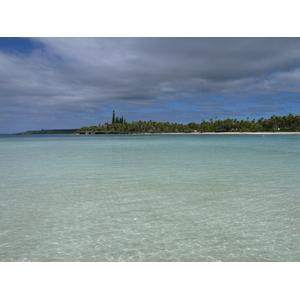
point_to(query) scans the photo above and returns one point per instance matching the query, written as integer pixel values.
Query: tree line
(290, 123)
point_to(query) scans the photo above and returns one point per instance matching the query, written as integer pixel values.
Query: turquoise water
(150, 198)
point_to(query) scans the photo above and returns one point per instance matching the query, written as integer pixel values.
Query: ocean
(150, 198)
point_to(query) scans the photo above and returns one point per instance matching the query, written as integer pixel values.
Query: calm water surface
(150, 198)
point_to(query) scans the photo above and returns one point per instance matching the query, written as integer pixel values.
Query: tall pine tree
(113, 118)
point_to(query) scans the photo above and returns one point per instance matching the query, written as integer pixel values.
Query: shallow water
(150, 198)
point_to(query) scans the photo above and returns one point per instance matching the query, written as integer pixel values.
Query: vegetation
(50, 131)
(288, 123)
(117, 120)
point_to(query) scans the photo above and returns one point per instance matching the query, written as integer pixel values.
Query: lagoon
(187, 197)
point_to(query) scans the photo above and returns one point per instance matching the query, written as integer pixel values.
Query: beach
(234, 132)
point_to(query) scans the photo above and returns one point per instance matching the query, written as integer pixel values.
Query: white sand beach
(261, 133)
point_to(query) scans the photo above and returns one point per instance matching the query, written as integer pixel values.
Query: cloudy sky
(48, 83)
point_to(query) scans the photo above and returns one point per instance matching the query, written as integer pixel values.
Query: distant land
(289, 123)
(49, 131)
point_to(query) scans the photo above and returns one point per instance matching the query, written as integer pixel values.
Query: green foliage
(273, 124)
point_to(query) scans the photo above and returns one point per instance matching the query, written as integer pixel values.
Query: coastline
(218, 133)
(187, 133)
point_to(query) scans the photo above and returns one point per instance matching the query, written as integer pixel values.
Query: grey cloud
(82, 74)
(208, 64)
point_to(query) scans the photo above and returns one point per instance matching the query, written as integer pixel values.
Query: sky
(52, 83)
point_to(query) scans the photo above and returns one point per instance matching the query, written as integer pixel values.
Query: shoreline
(187, 133)
(263, 133)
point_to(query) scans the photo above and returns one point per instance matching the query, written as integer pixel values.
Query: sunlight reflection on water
(150, 198)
